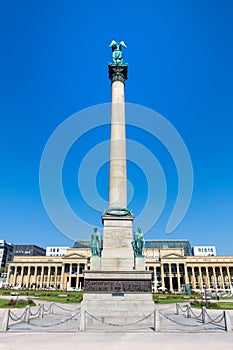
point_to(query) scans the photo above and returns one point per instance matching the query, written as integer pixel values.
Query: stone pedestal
(123, 296)
(117, 254)
(95, 263)
(140, 263)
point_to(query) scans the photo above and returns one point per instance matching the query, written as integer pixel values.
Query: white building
(6, 253)
(204, 251)
(56, 251)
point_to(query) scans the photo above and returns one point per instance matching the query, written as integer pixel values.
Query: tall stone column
(114, 287)
(117, 173)
(117, 254)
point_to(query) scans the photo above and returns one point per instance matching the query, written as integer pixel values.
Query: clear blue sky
(54, 58)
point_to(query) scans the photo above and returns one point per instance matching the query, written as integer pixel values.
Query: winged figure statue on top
(117, 54)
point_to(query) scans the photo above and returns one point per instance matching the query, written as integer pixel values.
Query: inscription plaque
(117, 286)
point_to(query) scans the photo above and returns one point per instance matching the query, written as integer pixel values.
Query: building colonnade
(38, 276)
(177, 276)
(171, 270)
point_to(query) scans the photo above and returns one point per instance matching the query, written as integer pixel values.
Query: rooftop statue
(117, 54)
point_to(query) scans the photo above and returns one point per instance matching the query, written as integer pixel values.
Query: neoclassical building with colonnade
(174, 269)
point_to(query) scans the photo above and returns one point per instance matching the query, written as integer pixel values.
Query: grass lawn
(55, 296)
(173, 298)
(224, 306)
(217, 306)
(13, 304)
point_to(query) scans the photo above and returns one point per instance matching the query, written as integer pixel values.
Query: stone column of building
(200, 281)
(8, 275)
(178, 277)
(70, 273)
(186, 278)
(155, 281)
(162, 276)
(222, 279)
(170, 277)
(212, 281)
(35, 276)
(229, 276)
(55, 276)
(28, 277)
(207, 277)
(21, 276)
(42, 277)
(77, 279)
(193, 278)
(48, 277)
(62, 276)
(215, 280)
(14, 278)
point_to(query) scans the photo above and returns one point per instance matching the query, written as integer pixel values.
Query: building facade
(172, 270)
(204, 250)
(6, 253)
(28, 250)
(56, 251)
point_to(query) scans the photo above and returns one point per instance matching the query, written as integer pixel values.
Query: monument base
(117, 254)
(140, 262)
(120, 297)
(95, 263)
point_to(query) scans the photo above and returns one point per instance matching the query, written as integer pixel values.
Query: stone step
(121, 319)
(145, 307)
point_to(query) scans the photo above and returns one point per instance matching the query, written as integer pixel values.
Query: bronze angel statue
(117, 55)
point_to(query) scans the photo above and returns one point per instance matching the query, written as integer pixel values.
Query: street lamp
(206, 300)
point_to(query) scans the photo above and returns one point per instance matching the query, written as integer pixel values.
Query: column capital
(118, 72)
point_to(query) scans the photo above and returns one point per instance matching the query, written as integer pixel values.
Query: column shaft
(42, 277)
(170, 277)
(62, 276)
(117, 176)
(178, 277)
(162, 276)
